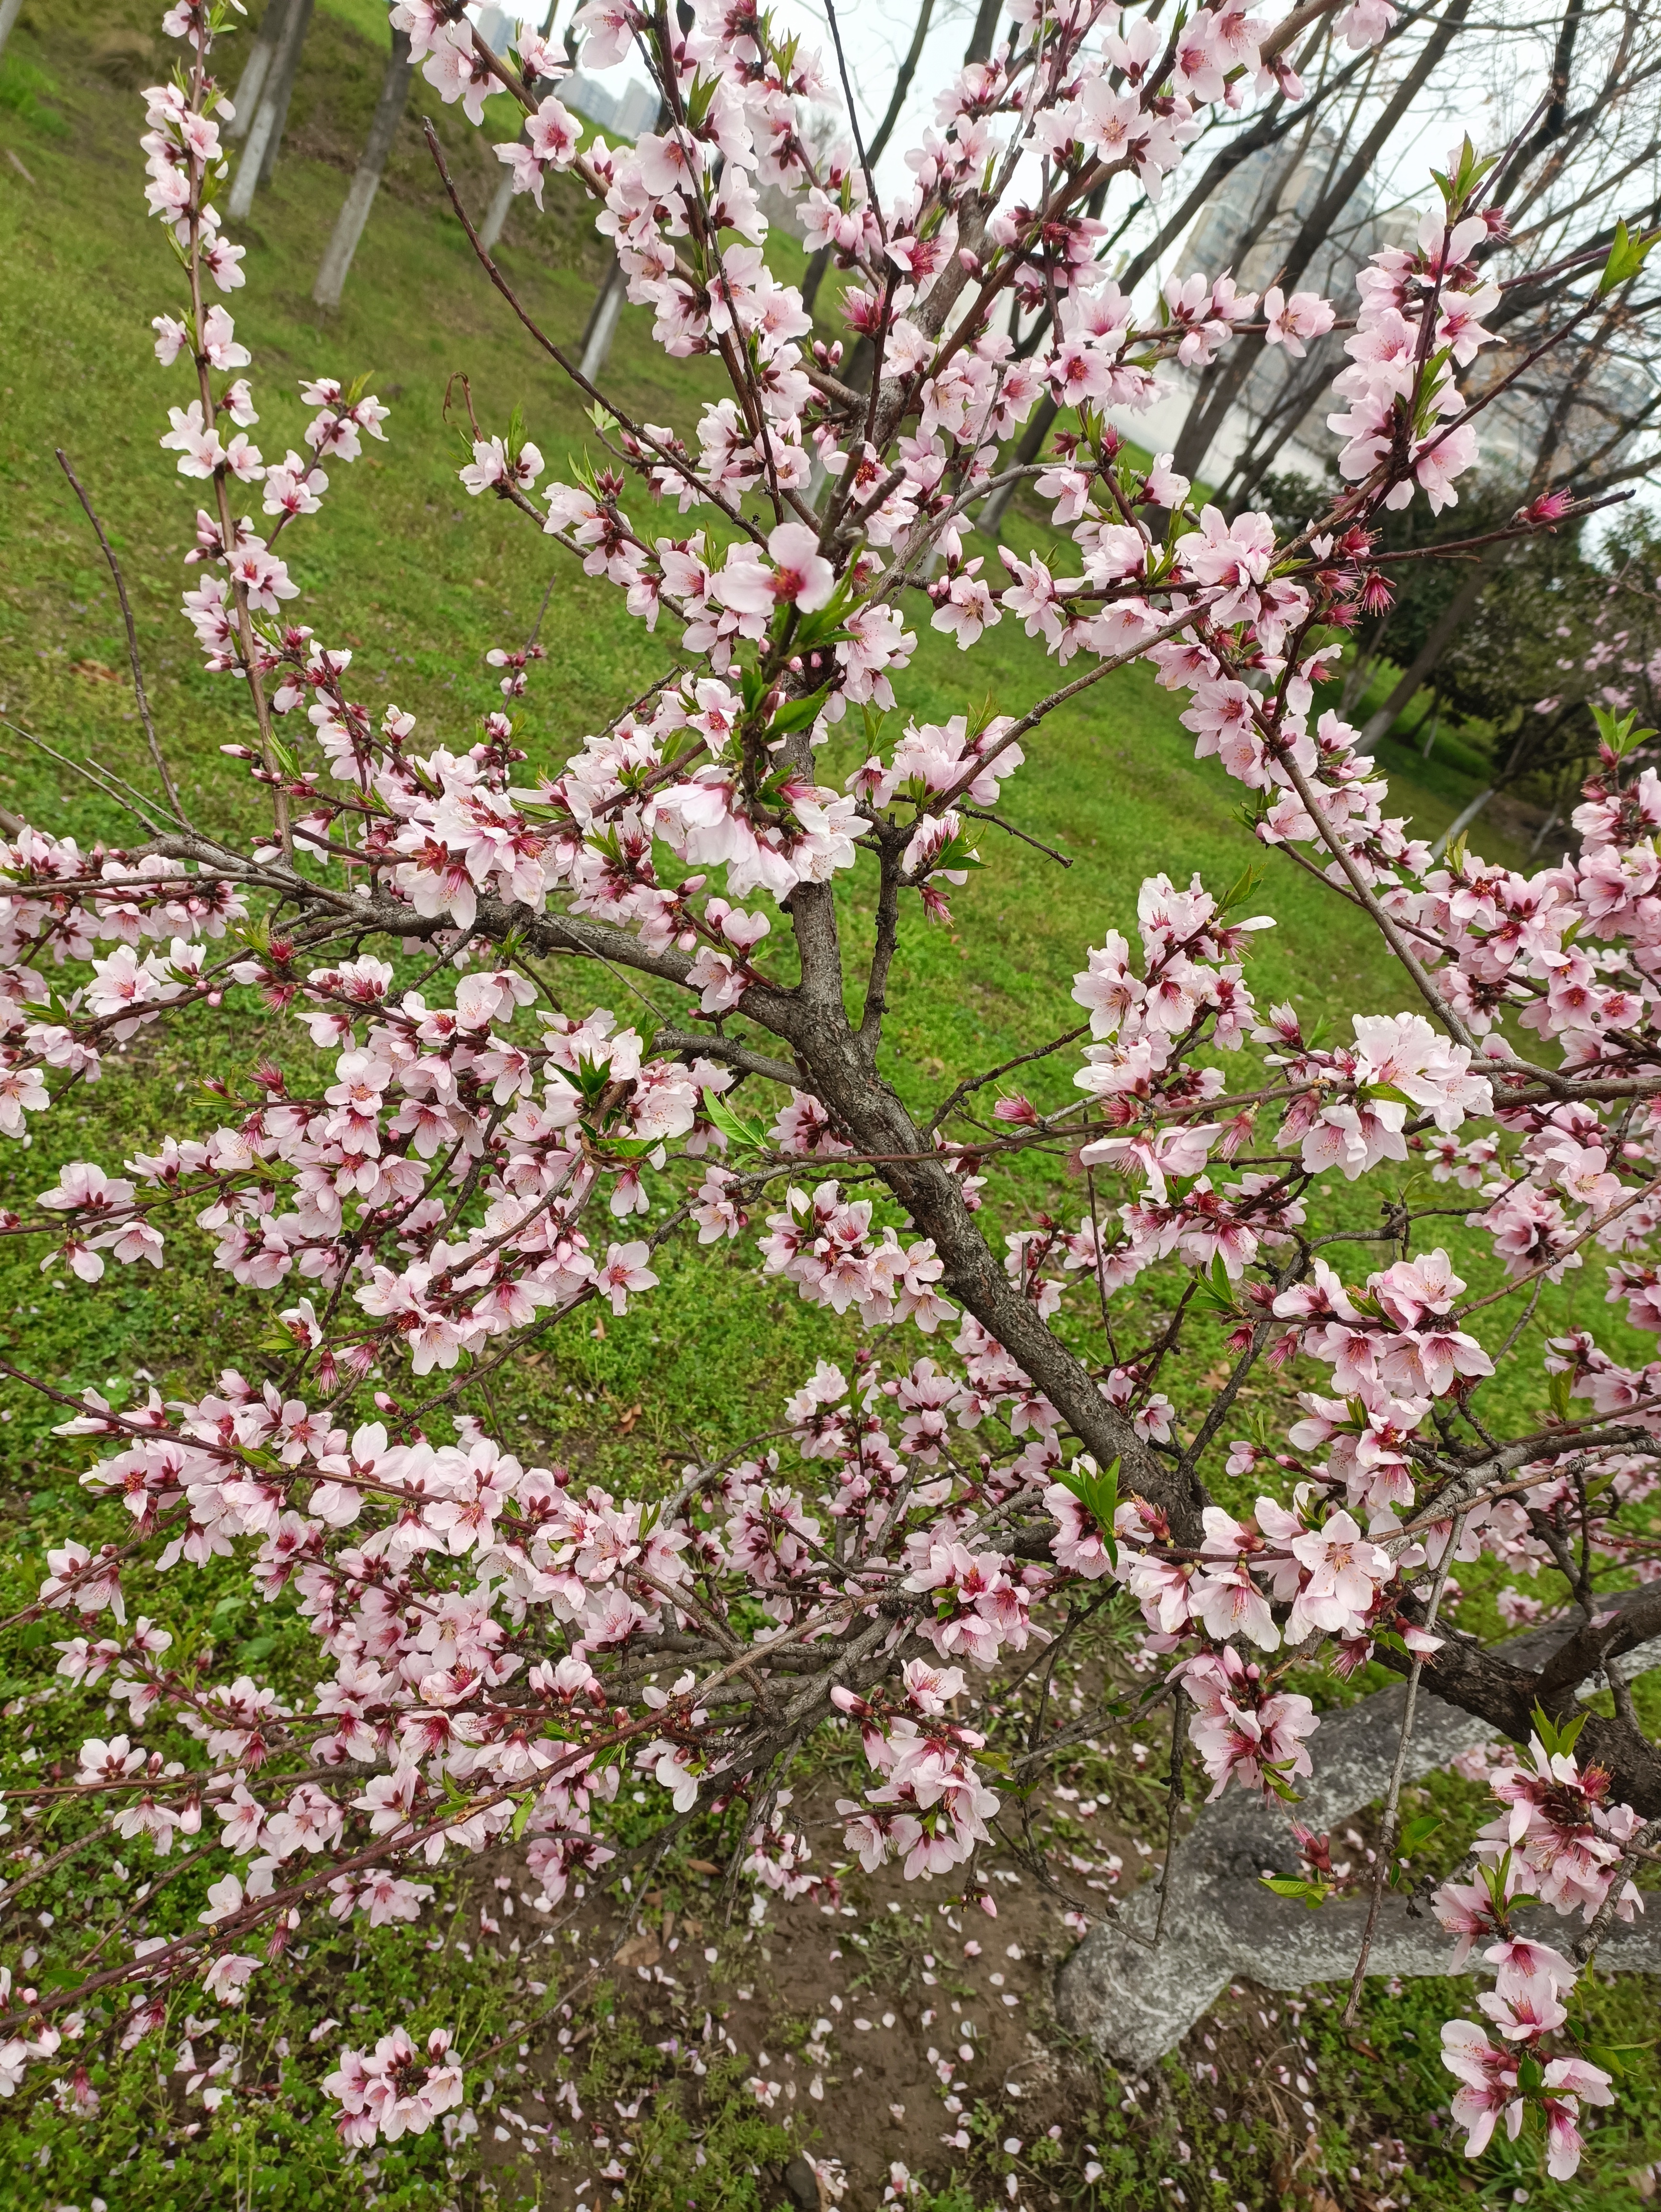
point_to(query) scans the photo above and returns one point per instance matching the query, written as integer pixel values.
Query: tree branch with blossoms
(445, 1172)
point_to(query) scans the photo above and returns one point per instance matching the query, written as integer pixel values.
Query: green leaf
(1311, 1894)
(1627, 257)
(797, 714)
(1241, 890)
(522, 1813)
(1215, 1290)
(824, 627)
(1416, 1833)
(1559, 1389)
(1558, 1738)
(1495, 1879)
(1457, 185)
(591, 1077)
(1098, 1494)
(1619, 733)
(745, 1134)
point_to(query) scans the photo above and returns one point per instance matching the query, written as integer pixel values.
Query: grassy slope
(420, 580)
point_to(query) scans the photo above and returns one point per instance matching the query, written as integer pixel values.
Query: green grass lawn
(420, 581)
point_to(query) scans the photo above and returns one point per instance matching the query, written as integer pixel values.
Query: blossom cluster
(1558, 1839)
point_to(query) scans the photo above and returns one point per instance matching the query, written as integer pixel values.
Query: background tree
(366, 180)
(264, 135)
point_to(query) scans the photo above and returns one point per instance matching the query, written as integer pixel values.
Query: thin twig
(979, 1082)
(1393, 1796)
(80, 768)
(669, 458)
(978, 814)
(1640, 1846)
(1174, 1794)
(132, 639)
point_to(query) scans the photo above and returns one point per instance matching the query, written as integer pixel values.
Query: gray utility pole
(270, 113)
(360, 199)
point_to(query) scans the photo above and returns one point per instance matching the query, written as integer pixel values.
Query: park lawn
(420, 581)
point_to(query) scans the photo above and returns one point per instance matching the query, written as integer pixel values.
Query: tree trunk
(1452, 618)
(10, 11)
(1546, 826)
(1359, 672)
(360, 199)
(266, 131)
(908, 69)
(1462, 821)
(614, 286)
(979, 48)
(603, 322)
(284, 75)
(813, 276)
(1221, 1922)
(255, 69)
(495, 216)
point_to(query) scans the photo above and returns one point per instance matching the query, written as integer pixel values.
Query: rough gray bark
(252, 82)
(360, 197)
(270, 113)
(1134, 2001)
(835, 1057)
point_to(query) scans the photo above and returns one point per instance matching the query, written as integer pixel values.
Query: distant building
(496, 28)
(624, 113)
